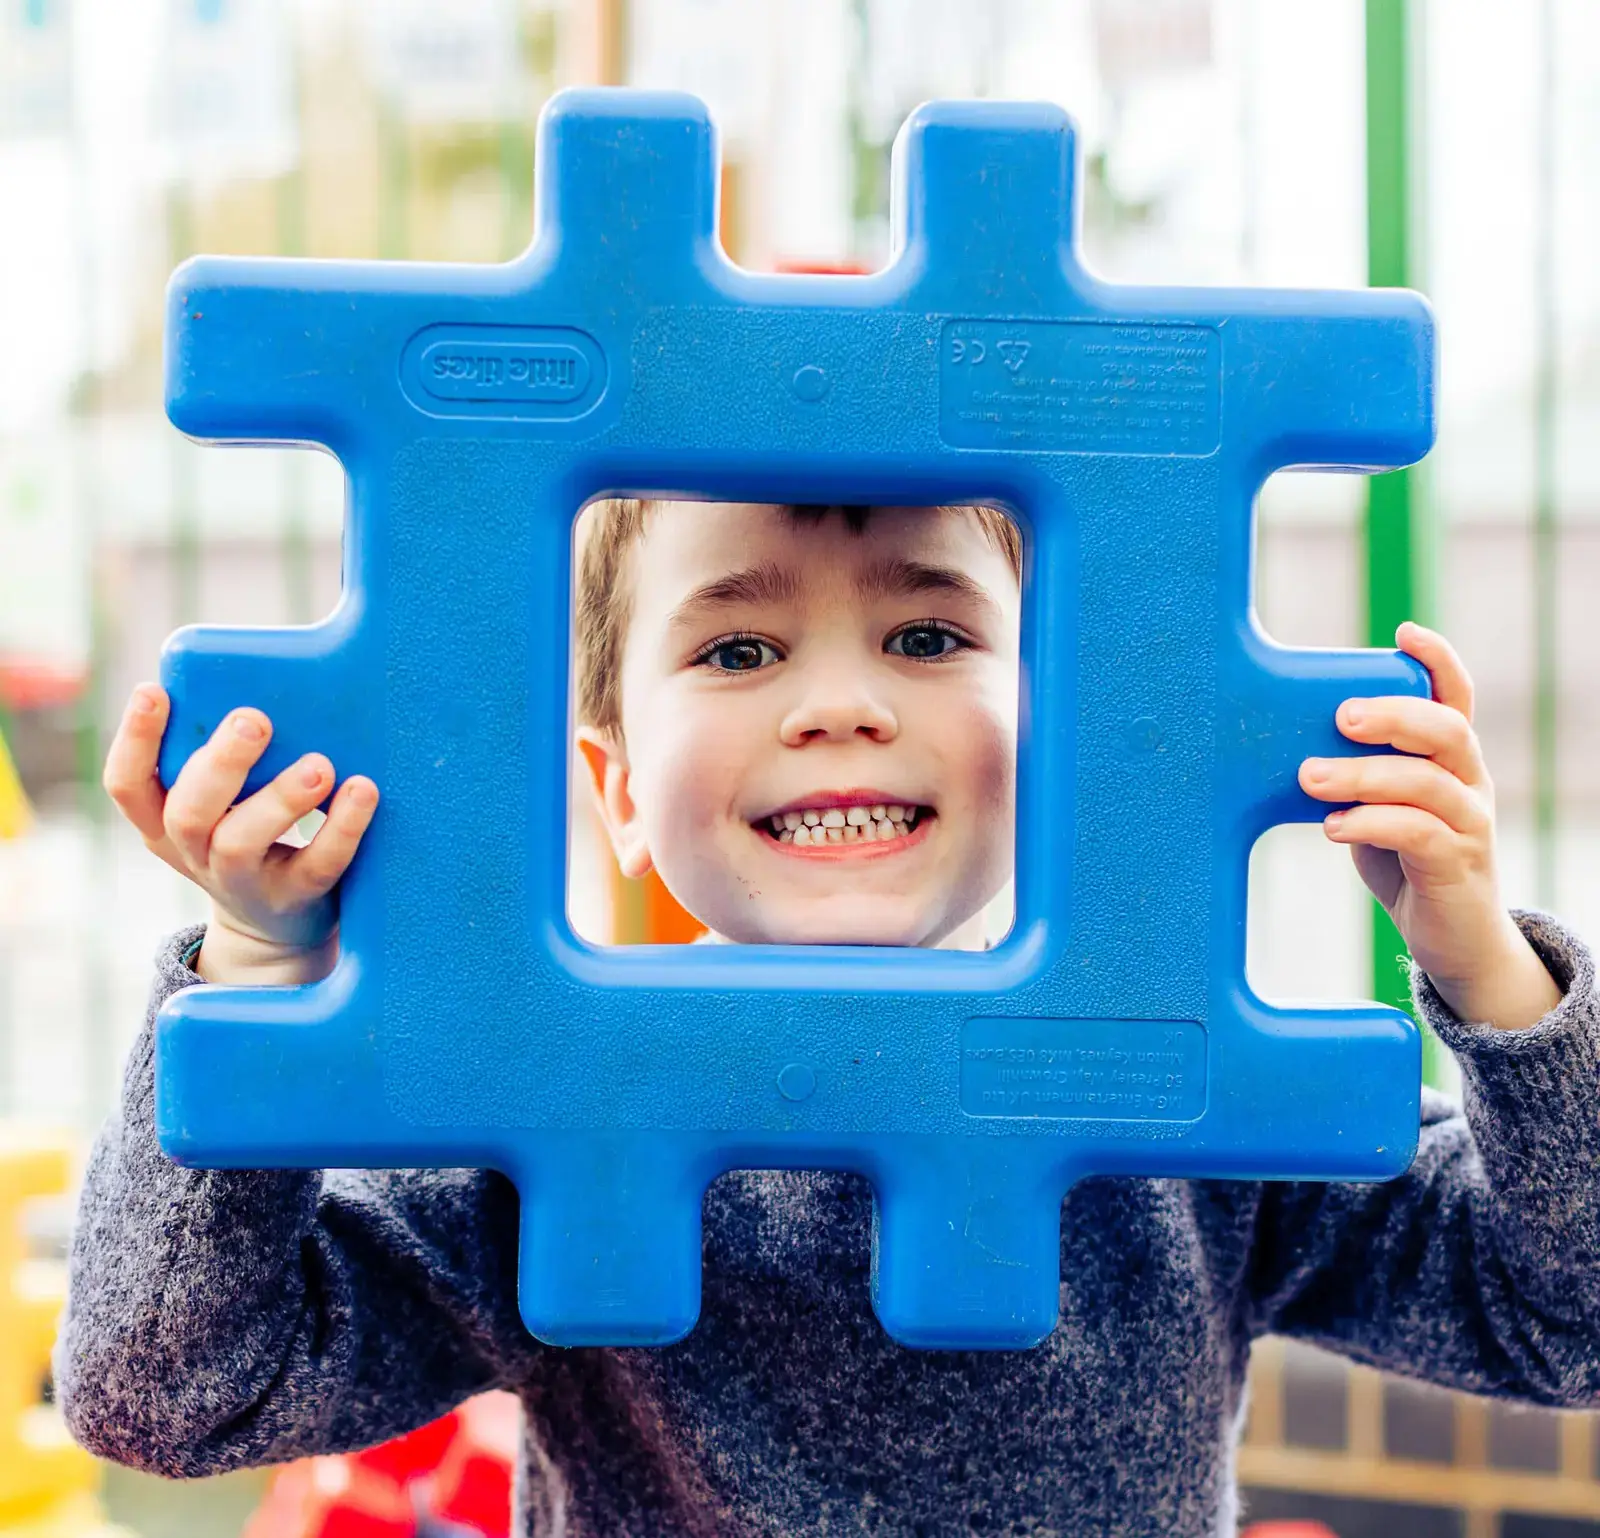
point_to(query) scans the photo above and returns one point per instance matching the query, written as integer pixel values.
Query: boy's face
(774, 666)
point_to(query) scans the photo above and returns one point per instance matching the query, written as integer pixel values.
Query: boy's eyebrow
(900, 578)
(769, 583)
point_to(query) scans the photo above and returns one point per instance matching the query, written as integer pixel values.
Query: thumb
(1380, 869)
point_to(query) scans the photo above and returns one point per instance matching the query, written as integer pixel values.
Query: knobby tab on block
(625, 1270)
(1282, 711)
(984, 195)
(1342, 381)
(273, 350)
(300, 679)
(627, 180)
(969, 1236)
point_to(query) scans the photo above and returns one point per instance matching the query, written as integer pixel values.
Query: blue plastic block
(476, 408)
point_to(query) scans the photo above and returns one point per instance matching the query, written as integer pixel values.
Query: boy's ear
(607, 761)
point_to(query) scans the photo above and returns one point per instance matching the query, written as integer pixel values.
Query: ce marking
(967, 350)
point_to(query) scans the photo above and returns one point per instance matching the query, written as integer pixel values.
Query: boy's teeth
(843, 825)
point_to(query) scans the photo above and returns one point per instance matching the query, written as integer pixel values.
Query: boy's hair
(608, 530)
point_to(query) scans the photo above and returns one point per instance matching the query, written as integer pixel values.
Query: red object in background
(417, 1453)
(1297, 1528)
(332, 1498)
(456, 1469)
(30, 683)
(836, 269)
(473, 1484)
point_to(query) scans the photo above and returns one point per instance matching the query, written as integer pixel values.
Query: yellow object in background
(16, 816)
(74, 1516)
(47, 1481)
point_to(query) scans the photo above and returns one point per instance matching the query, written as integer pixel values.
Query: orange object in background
(644, 912)
(1297, 1528)
(845, 269)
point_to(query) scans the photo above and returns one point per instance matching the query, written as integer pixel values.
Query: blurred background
(1451, 147)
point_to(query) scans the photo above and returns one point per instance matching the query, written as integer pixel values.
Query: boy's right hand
(274, 917)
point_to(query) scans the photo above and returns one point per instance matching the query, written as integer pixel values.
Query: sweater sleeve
(1479, 1268)
(218, 1319)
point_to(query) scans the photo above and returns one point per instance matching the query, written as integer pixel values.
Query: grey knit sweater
(221, 1319)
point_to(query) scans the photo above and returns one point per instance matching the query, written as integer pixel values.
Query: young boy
(743, 673)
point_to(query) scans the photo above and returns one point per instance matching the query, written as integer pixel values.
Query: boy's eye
(738, 654)
(924, 642)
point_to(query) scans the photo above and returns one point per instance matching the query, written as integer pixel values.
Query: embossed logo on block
(1093, 1070)
(1082, 387)
(555, 373)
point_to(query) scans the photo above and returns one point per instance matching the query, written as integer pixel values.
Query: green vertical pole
(1546, 533)
(1395, 528)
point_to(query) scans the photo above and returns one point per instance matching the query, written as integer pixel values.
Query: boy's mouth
(859, 826)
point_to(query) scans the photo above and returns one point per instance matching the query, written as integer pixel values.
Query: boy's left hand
(1423, 840)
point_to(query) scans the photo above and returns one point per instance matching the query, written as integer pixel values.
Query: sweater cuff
(176, 958)
(1540, 1084)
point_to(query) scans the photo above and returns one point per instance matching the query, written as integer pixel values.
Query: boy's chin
(834, 921)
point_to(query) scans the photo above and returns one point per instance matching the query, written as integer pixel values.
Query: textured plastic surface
(476, 408)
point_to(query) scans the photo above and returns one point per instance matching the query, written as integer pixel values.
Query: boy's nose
(838, 711)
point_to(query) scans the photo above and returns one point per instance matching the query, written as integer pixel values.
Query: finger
(1418, 782)
(208, 784)
(310, 873)
(1452, 684)
(1436, 731)
(1416, 836)
(129, 777)
(243, 836)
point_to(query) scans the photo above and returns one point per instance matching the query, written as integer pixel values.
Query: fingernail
(144, 703)
(363, 797)
(249, 728)
(311, 775)
(1316, 770)
(1333, 819)
(1352, 716)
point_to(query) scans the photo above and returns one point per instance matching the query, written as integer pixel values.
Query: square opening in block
(794, 723)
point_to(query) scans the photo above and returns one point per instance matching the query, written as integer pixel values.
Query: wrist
(1509, 987)
(230, 957)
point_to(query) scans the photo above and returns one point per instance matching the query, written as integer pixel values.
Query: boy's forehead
(684, 543)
